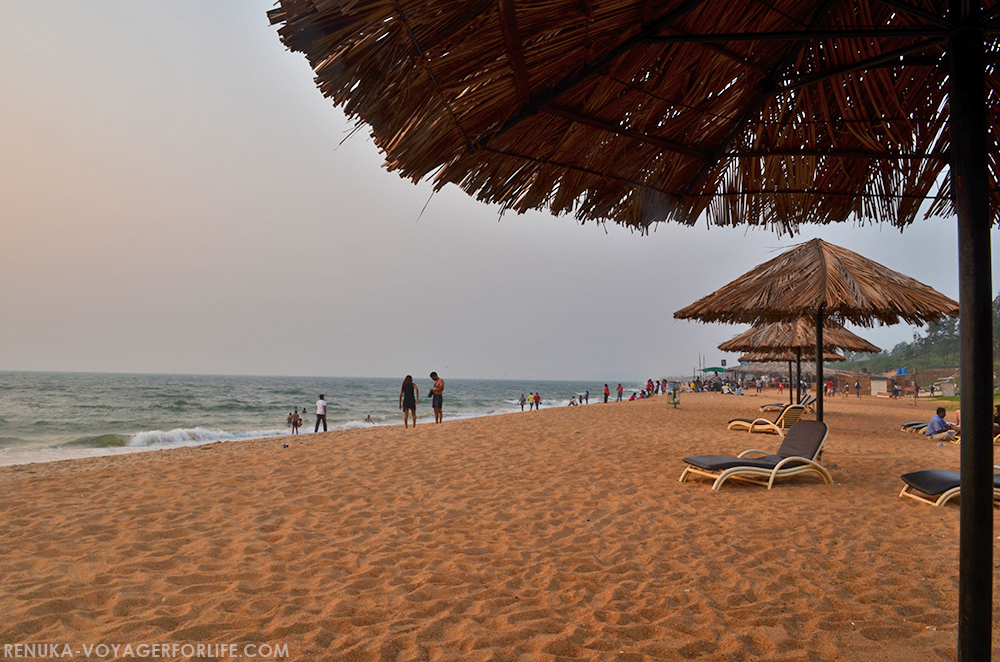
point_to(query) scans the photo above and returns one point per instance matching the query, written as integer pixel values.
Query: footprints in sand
(562, 536)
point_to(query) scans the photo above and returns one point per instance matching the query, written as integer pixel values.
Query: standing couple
(409, 394)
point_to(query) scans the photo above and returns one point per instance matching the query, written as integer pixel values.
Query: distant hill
(938, 349)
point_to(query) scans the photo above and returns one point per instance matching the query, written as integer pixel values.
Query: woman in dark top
(408, 400)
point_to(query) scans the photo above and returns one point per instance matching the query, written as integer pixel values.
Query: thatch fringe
(629, 119)
(798, 334)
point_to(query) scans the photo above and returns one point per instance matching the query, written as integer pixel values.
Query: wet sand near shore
(561, 534)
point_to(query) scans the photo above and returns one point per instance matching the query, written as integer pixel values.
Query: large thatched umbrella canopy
(821, 281)
(636, 111)
(819, 275)
(798, 334)
(774, 113)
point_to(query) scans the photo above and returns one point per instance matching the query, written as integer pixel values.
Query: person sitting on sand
(632, 398)
(572, 402)
(939, 429)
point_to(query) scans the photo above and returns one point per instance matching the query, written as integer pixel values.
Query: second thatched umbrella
(791, 338)
(818, 280)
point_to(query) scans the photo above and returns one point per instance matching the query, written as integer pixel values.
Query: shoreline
(563, 534)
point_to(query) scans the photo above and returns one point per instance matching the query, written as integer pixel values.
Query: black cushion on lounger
(913, 424)
(723, 462)
(937, 481)
(745, 420)
(933, 481)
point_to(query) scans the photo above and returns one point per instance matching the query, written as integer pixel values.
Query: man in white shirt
(320, 413)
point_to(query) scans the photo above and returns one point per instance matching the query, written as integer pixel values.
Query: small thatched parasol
(792, 338)
(798, 334)
(773, 355)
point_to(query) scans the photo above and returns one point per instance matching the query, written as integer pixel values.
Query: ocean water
(56, 416)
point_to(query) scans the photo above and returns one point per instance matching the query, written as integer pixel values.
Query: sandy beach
(562, 534)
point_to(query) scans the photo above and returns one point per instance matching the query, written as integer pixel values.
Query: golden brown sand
(554, 535)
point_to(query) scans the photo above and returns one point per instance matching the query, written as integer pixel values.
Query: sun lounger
(913, 426)
(809, 402)
(938, 486)
(799, 454)
(786, 419)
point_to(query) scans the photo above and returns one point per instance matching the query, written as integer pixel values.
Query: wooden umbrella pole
(819, 364)
(791, 397)
(798, 375)
(970, 186)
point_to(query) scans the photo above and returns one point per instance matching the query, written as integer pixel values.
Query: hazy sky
(175, 198)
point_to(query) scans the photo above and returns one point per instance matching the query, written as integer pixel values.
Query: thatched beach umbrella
(774, 114)
(819, 281)
(797, 334)
(794, 337)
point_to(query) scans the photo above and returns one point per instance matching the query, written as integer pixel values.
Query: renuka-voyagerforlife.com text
(172, 650)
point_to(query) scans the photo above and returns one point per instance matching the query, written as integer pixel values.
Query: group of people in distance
(295, 420)
(534, 401)
(409, 395)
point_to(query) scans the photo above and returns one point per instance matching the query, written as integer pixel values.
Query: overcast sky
(175, 198)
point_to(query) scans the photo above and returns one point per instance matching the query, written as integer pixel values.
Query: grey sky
(174, 200)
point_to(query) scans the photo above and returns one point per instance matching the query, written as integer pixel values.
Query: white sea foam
(196, 436)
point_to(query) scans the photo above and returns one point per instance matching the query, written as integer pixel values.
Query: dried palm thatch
(774, 113)
(815, 275)
(798, 334)
(788, 355)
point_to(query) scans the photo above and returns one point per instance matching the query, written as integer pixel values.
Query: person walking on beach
(522, 401)
(437, 397)
(620, 391)
(320, 413)
(408, 395)
(586, 397)
(538, 401)
(607, 393)
(857, 387)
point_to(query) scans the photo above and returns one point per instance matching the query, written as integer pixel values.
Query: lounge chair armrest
(795, 458)
(752, 450)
